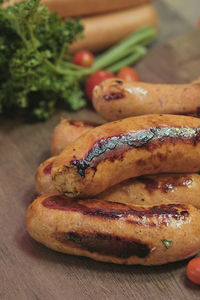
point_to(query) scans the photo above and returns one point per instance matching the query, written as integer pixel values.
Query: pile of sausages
(100, 196)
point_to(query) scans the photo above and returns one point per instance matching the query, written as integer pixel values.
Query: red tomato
(83, 58)
(95, 79)
(193, 270)
(128, 74)
(198, 22)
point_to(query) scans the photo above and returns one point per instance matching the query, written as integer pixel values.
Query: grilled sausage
(68, 131)
(156, 190)
(43, 181)
(116, 99)
(128, 148)
(99, 34)
(115, 232)
(145, 190)
(77, 8)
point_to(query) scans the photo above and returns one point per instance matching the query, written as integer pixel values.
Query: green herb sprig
(36, 70)
(166, 243)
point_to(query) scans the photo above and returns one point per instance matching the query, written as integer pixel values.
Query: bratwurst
(116, 99)
(115, 232)
(43, 180)
(128, 148)
(68, 131)
(145, 190)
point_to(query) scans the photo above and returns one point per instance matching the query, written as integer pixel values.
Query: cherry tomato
(95, 79)
(193, 270)
(128, 74)
(83, 58)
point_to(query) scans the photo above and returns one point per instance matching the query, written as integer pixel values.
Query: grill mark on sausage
(104, 244)
(119, 82)
(198, 112)
(113, 147)
(47, 169)
(194, 113)
(113, 96)
(184, 213)
(165, 184)
(151, 223)
(81, 123)
(114, 210)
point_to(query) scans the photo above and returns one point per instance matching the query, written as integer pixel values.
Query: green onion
(138, 53)
(143, 36)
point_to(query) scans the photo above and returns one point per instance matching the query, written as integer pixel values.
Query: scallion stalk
(138, 53)
(141, 37)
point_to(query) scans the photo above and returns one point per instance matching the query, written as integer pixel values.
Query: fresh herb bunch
(36, 70)
(33, 44)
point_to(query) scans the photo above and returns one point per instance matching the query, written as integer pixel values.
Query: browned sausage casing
(145, 190)
(74, 8)
(68, 131)
(99, 34)
(43, 180)
(128, 148)
(115, 232)
(156, 190)
(116, 99)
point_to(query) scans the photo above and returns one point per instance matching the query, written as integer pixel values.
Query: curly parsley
(33, 47)
(37, 74)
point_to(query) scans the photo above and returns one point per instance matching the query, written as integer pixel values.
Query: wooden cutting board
(29, 270)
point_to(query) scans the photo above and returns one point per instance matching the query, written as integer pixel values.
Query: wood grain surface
(29, 270)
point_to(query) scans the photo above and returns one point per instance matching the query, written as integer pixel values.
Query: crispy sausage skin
(43, 181)
(64, 134)
(77, 8)
(156, 190)
(99, 35)
(145, 190)
(128, 148)
(116, 99)
(68, 131)
(115, 232)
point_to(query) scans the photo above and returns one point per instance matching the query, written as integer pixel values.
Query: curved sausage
(43, 180)
(100, 35)
(156, 190)
(145, 190)
(77, 8)
(116, 99)
(128, 148)
(115, 232)
(64, 134)
(68, 131)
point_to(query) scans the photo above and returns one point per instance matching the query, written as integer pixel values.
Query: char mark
(114, 210)
(119, 81)
(81, 123)
(47, 169)
(113, 96)
(113, 147)
(167, 184)
(195, 113)
(105, 244)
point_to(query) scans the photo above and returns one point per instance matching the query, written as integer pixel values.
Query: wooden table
(29, 270)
